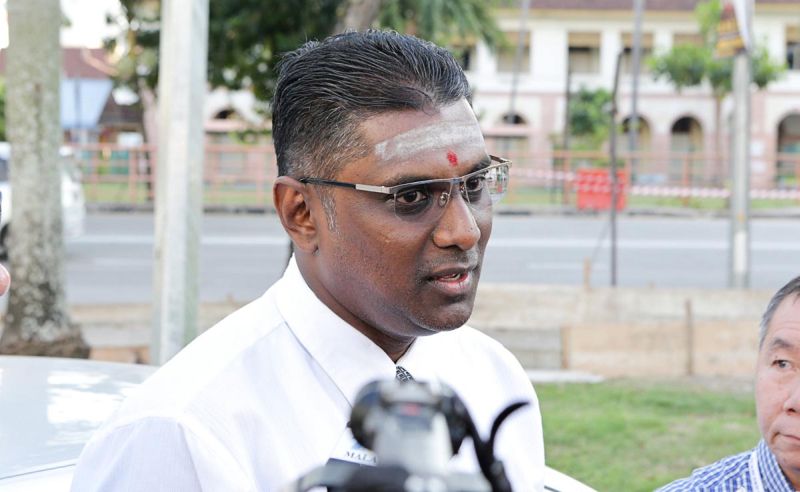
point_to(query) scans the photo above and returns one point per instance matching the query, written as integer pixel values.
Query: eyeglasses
(413, 202)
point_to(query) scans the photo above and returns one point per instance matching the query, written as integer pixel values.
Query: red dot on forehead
(452, 157)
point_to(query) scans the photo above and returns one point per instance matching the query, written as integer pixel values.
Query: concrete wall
(622, 332)
(626, 332)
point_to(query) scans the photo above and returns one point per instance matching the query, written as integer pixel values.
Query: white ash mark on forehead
(437, 136)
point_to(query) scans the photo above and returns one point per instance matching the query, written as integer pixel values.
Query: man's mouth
(791, 438)
(454, 281)
(451, 278)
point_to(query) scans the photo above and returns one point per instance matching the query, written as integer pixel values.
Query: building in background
(90, 111)
(584, 36)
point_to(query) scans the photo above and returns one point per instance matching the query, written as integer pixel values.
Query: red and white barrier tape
(600, 184)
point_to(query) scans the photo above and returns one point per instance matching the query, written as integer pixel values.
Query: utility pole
(633, 122)
(178, 210)
(740, 187)
(565, 138)
(523, 24)
(740, 192)
(613, 172)
(567, 95)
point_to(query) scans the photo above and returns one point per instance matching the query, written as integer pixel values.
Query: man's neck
(393, 346)
(793, 476)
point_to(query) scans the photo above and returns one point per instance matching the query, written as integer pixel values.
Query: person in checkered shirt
(774, 464)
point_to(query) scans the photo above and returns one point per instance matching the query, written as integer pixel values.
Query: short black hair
(326, 89)
(792, 288)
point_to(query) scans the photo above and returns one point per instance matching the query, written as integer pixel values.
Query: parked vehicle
(73, 202)
(50, 407)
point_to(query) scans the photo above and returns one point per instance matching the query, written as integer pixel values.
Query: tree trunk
(360, 15)
(37, 322)
(150, 127)
(718, 164)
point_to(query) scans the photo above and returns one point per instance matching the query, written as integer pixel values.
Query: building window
(514, 147)
(225, 114)
(793, 48)
(627, 53)
(694, 39)
(506, 54)
(465, 56)
(584, 52)
(786, 175)
(463, 50)
(513, 119)
(642, 136)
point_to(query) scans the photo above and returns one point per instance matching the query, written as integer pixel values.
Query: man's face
(398, 278)
(778, 386)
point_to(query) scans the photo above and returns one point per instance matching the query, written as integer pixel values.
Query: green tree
(247, 37)
(37, 322)
(687, 65)
(588, 118)
(442, 21)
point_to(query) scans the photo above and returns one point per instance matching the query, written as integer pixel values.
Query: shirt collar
(348, 357)
(771, 475)
(421, 357)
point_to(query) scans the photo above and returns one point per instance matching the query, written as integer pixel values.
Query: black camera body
(413, 428)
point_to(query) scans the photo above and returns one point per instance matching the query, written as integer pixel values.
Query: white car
(50, 407)
(48, 410)
(73, 202)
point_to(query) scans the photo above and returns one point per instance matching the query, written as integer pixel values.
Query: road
(243, 254)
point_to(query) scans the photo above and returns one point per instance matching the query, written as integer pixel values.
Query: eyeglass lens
(426, 202)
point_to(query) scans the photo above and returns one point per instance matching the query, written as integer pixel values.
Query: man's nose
(457, 226)
(792, 401)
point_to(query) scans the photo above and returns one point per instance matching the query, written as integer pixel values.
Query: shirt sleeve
(156, 454)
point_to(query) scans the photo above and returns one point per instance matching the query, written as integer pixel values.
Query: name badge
(349, 450)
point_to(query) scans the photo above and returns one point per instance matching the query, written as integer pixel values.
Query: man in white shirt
(386, 191)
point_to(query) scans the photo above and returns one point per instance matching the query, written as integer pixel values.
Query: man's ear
(292, 203)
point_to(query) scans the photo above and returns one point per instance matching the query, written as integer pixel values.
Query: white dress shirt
(265, 396)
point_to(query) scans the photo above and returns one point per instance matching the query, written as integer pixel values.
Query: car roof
(50, 407)
(63, 151)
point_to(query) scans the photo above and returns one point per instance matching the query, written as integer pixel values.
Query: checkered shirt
(732, 474)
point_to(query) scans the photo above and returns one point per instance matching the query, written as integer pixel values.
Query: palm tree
(37, 322)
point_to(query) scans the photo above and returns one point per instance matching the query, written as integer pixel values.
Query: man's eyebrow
(483, 163)
(412, 178)
(405, 179)
(779, 343)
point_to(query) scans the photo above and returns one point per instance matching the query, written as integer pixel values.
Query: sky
(87, 18)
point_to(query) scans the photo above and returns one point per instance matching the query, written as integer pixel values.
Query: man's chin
(447, 319)
(787, 451)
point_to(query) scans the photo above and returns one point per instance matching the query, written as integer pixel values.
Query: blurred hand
(5, 280)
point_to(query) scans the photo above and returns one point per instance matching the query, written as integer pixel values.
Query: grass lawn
(221, 195)
(627, 435)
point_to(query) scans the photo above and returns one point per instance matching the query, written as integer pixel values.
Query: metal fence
(242, 176)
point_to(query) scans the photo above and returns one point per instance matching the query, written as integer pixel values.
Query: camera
(413, 428)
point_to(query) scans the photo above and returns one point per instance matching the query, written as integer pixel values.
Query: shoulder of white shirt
(171, 389)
